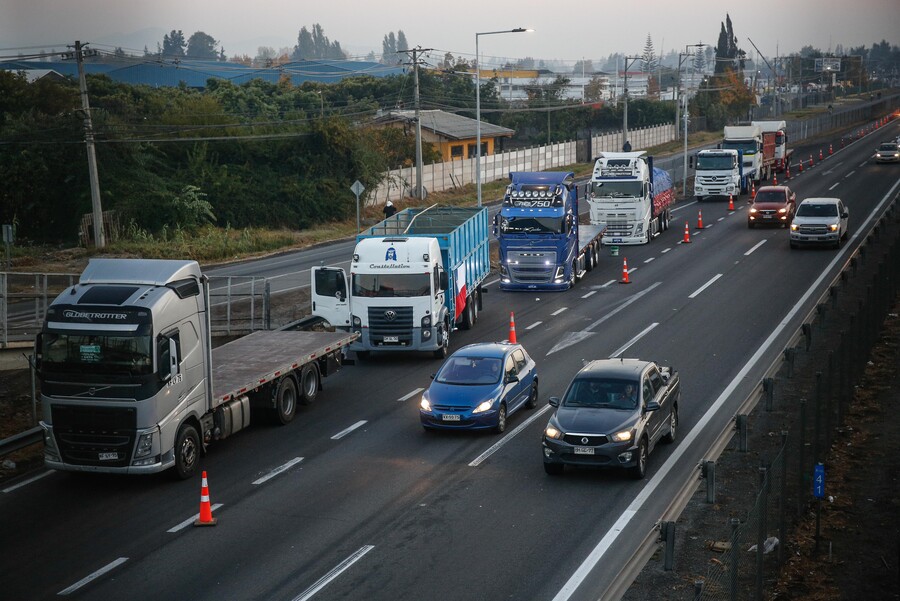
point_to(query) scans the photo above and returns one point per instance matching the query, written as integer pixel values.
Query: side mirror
(845, 214)
(38, 350)
(444, 281)
(432, 376)
(512, 378)
(652, 406)
(553, 401)
(691, 161)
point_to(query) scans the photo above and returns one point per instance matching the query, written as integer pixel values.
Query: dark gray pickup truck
(613, 414)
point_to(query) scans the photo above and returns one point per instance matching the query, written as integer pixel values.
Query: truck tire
(589, 258)
(468, 314)
(309, 384)
(639, 470)
(187, 452)
(443, 337)
(284, 399)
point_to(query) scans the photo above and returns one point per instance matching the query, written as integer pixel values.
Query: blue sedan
(479, 387)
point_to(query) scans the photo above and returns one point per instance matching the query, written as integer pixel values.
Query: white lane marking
(491, 282)
(558, 311)
(609, 283)
(344, 433)
(684, 206)
(569, 339)
(632, 269)
(410, 395)
(334, 573)
(278, 470)
(849, 174)
(192, 519)
(709, 226)
(591, 293)
(721, 218)
(94, 576)
(628, 344)
(755, 246)
(493, 449)
(705, 286)
(534, 325)
(622, 306)
(834, 186)
(597, 553)
(649, 260)
(665, 251)
(862, 164)
(28, 481)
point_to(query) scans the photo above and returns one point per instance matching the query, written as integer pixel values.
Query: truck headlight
(623, 436)
(833, 227)
(753, 211)
(559, 272)
(426, 321)
(782, 210)
(357, 322)
(794, 227)
(144, 445)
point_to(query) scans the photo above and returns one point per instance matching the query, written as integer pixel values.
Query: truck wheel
(284, 396)
(589, 258)
(597, 253)
(673, 425)
(187, 451)
(640, 467)
(443, 336)
(309, 384)
(476, 305)
(468, 318)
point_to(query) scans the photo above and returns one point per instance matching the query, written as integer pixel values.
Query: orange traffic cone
(811, 162)
(512, 327)
(830, 151)
(800, 166)
(687, 234)
(752, 190)
(774, 179)
(624, 279)
(821, 158)
(787, 170)
(730, 202)
(699, 220)
(206, 518)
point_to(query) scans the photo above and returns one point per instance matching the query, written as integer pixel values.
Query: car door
(845, 217)
(654, 418)
(525, 372)
(512, 386)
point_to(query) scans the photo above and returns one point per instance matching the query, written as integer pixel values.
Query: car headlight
(782, 210)
(425, 404)
(753, 210)
(794, 227)
(552, 432)
(623, 436)
(833, 227)
(485, 406)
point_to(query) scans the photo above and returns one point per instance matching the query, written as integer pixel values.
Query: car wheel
(640, 468)
(187, 452)
(554, 469)
(285, 399)
(501, 419)
(673, 424)
(531, 403)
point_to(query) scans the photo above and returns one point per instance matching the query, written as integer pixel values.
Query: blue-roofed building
(194, 73)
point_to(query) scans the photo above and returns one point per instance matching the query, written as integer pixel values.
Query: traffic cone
(752, 190)
(624, 279)
(800, 166)
(687, 234)
(787, 170)
(774, 179)
(830, 151)
(699, 220)
(206, 518)
(512, 328)
(811, 162)
(730, 202)
(821, 158)
(842, 141)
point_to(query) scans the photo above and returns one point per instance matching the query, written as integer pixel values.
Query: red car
(773, 205)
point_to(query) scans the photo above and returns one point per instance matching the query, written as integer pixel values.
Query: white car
(819, 221)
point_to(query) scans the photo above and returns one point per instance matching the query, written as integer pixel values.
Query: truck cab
(719, 172)
(748, 140)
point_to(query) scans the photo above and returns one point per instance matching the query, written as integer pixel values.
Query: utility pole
(416, 53)
(99, 239)
(625, 112)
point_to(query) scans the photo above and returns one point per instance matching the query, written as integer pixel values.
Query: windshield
(470, 370)
(748, 147)
(769, 196)
(109, 354)
(609, 393)
(817, 210)
(891, 147)
(541, 225)
(390, 285)
(616, 189)
(707, 163)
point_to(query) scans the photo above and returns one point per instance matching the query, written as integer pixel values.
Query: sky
(564, 30)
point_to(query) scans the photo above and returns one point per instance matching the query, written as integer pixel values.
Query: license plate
(392, 339)
(767, 216)
(616, 240)
(108, 456)
(584, 450)
(450, 417)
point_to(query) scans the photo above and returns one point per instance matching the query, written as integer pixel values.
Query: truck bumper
(414, 339)
(511, 286)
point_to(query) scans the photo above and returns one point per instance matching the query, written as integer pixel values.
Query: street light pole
(478, 105)
(625, 111)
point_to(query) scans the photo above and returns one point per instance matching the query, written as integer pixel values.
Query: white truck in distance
(758, 156)
(630, 197)
(719, 172)
(130, 383)
(778, 129)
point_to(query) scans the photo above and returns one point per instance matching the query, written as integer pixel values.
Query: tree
(593, 90)
(583, 66)
(173, 43)
(389, 50)
(728, 54)
(402, 44)
(648, 58)
(202, 45)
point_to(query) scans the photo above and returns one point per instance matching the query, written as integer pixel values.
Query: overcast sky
(563, 29)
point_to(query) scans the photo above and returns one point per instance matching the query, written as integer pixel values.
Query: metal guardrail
(21, 440)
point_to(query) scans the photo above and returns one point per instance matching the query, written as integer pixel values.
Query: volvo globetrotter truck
(542, 245)
(414, 278)
(631, 197)
(130, 383)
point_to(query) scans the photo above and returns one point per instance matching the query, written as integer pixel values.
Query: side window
(330, 282)
(655, 381)
(519, 358)
(456, 151)
(510, 366)
(648, 391)
(436, 280)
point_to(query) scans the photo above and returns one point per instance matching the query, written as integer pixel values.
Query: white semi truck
(130, 383)
(719, 172)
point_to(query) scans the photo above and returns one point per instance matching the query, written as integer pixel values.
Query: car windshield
(612, 393)
(808, 209)
(470, 370)
(888, 147)
(769, 196)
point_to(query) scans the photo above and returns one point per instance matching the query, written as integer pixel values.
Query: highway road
(371, 507)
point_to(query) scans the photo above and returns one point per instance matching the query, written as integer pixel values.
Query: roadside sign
(819, 481)
(8, 233)
(357, 187)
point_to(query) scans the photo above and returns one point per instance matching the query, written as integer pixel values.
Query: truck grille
(713, 180)
(813, 229)
(531, 267)
(617, 227)
(83, 433)
(391, 322)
